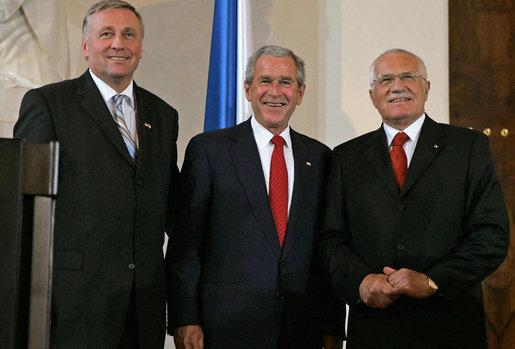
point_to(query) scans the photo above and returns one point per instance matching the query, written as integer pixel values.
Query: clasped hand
(189, 337)
(381, 290)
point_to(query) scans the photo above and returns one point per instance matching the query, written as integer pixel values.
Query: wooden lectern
(28, 187)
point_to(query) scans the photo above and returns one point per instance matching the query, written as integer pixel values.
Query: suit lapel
(92, 102)
(376, 152)
(302, 191)
(247, 163)
(144, 120)
(430, 142)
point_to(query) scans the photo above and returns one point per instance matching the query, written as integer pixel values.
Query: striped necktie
(122, 126)
(278, 188)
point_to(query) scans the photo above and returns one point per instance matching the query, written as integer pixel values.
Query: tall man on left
(117, 174)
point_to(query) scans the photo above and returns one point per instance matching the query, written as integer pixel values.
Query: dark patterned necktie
(398, 157)
(278, 188)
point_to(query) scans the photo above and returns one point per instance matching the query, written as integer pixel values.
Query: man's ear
(302, 90)
(247, 91)
(84, 48)
(372, 97)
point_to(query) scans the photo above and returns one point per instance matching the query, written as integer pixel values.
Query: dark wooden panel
(481, 65)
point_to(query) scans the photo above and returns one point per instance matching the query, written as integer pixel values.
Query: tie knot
(278, 140)
(118, 99)
(400, 138)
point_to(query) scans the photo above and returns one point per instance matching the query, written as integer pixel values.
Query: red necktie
(278, 188)
(398, 157)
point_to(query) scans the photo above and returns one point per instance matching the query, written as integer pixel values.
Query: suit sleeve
(174, 172)
(35, 123)
(486, 229)
(183, 256)
(336, 242)
(332, 309)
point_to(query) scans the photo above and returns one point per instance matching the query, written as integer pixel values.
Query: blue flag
(221, 86)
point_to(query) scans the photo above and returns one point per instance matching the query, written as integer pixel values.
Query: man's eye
(130, 35)
(264, 82)
(386, 80)
(106, 34)
(408, 77)
(286, 83)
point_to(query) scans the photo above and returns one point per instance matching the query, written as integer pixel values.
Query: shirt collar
(108, 92)
(263, 136)
(413, 130)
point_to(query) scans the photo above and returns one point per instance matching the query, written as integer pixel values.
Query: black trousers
(284, 342)
(130, 337)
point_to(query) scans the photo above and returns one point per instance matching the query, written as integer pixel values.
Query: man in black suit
(117, 173)
(408, 250)
(242, 272)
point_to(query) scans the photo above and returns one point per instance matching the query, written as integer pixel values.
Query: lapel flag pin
(435, 146)
(308, 163)
(148, 125)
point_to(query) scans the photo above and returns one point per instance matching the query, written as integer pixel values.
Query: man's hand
(188, 337)
(408, 282)
(375, 291)
(331, 342)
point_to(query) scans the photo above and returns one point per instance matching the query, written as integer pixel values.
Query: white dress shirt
(265, 147)
(413, 132)
(128, 104)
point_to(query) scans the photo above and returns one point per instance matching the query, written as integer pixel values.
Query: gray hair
(106, 5)
(275, 51)
(372, 74)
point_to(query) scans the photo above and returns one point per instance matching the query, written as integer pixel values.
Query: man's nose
(117, 41)
(398, 84)
(275, 88)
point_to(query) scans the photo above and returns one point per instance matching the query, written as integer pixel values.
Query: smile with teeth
(270, 104)
(118, 58)
(399, 100)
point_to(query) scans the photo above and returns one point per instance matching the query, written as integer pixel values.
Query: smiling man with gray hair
(415, 220)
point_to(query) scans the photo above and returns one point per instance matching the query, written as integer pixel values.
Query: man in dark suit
(411, 229)
(117, 173)
(243, 272)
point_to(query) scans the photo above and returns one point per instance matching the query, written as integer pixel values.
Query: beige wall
(174, 65)
(337, 38)
(352, 34)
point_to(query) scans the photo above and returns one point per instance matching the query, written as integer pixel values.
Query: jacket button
(131, 266)
(401, 247)
(400, 207)
(139, 181)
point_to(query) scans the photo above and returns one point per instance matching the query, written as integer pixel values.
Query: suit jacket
(110, 215)
(449, 222)
(226, 269)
